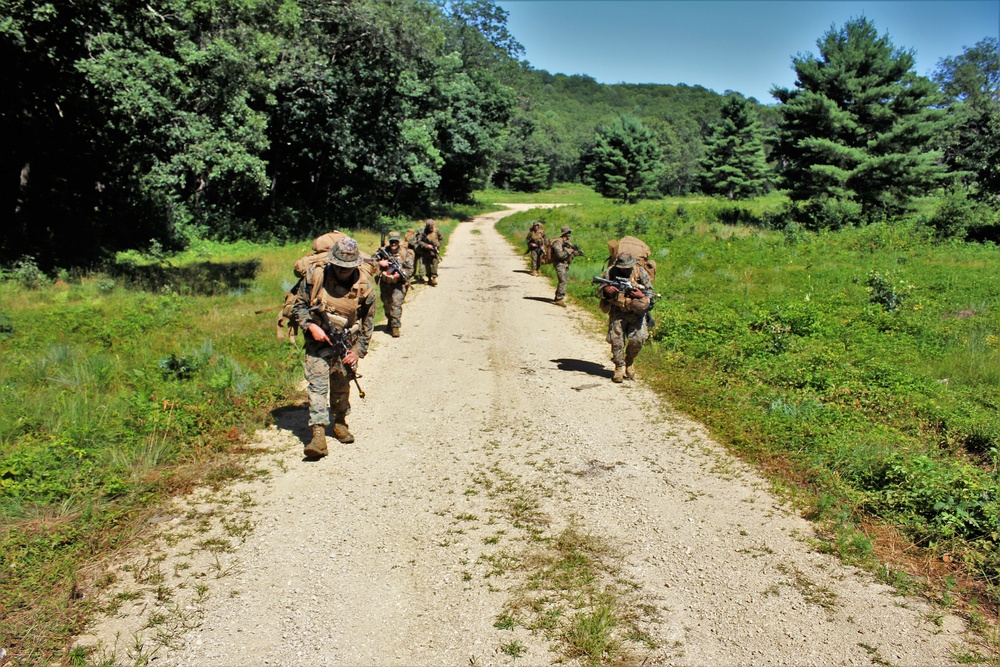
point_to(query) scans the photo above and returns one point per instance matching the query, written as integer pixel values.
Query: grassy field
(118, 390)
(860, 369)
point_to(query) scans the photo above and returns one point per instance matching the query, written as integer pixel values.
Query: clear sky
(740, 45)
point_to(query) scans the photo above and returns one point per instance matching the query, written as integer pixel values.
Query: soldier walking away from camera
(563, 253)
(627, 330)
(393, 284)
(334, 300)
(536, 246)
(428, 246)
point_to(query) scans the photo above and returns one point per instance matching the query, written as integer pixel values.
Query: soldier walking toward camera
(627, 313)
(428, 244)
(563, 253)
(333, 300)
(536, 246)
(393, 284)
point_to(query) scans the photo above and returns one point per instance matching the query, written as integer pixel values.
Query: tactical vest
(345, 301)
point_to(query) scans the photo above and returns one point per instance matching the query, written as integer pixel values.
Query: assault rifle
(340, 342)
(623, 285)
(394, 266)
(576, 249)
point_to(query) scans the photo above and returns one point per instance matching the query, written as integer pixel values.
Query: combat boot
(316, 449)
(433, 281)
(394, 332)
(619, 374)
(629, 372)
(561, 301)
(340, 431)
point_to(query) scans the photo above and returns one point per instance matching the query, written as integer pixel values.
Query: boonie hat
(625, 261)
(345, 253)
(565, 230)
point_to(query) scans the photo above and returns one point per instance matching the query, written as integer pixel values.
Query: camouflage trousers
(392, 302)
(626, 335)
(326, 377)
(562, 273)
(536, 258)
(430, 262)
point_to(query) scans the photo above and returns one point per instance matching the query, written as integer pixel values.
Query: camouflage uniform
(627, 316)
(353, 301)
(562, 255)
(536, 247)
(428, 244)
(393, 287)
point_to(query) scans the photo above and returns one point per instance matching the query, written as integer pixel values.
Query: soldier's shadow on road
(543, 299)
(294, 419)
(580, 366)
(525, 271)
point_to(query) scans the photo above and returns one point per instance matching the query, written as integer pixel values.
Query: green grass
(118, 390)
(861, 368)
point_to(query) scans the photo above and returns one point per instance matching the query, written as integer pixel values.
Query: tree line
(169, 120)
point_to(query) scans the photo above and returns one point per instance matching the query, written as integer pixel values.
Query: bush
(827, 213)
(26, 272)
(957, 215)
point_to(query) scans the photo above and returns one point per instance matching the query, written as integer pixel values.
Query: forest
(147, 127)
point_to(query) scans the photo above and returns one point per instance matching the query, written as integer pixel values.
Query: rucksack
(286, 327)
(547, 251)
(636, 248)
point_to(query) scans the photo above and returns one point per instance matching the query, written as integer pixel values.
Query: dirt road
(505, 503)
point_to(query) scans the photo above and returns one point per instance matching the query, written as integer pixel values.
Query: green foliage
(734, 163)
(860, 126)
(887, 289)
(624, 163)
(972, 83)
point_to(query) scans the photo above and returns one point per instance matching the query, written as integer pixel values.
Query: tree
(860, 125)
(972, 83)
(734, 164)
(625, 161)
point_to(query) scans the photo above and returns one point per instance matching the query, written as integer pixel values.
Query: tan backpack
(634, 247)
(286, 327)
(547, 251)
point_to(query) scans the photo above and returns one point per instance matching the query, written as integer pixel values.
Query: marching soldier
(394, 284)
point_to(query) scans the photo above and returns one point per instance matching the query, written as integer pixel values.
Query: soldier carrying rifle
(563, 253)
(626, 292)
(335, 303)
(428, 242)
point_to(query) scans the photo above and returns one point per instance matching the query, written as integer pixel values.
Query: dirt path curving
(504, 503)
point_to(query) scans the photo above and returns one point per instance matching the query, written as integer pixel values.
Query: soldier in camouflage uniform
(393, 286)
(536, 246)
(627, 314)
(428, 243)
(563, 253)
(345, 290)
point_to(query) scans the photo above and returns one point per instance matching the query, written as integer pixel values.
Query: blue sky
(741, 45)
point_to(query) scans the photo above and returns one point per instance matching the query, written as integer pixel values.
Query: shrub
(26, 272)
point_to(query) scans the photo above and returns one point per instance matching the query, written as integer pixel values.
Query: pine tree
(734, 164)
(625, 161)
(860, 125)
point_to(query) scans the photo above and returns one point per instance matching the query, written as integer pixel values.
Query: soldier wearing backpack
(563, 253)
(627, 310)
(536, 246)
(392, 284)
(340, 295)
(428, 244)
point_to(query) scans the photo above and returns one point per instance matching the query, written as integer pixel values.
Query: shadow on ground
(580, 366)
(295, 420)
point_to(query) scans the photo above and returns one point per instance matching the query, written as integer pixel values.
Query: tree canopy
(860, 124)
(624, 162)
(734, 163)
